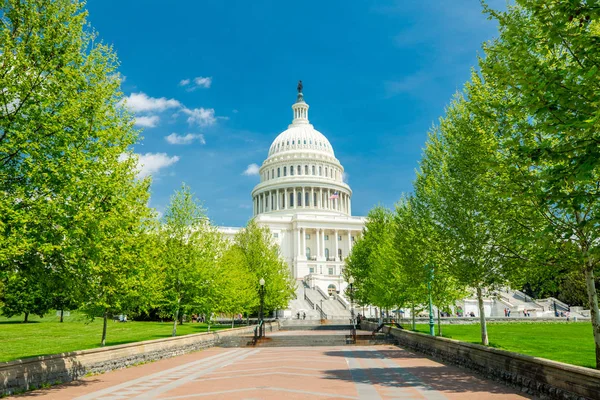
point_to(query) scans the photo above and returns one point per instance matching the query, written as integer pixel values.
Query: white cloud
(140, 102)
(203, 82)
(147, 121)
(251, 170)
(200, 116)
(345, 177)
(152, 163)
(174, 138)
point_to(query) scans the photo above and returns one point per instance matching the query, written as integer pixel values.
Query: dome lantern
(300, 108)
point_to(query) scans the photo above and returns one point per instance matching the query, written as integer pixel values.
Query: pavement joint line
(271, 388)
(192, 376)
(278, 368)
(424, 389)
(152, 377)
(263, 374)
(359, 377)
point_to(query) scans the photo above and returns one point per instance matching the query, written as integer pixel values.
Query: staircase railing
(309, 301)
(322, 293)
(323, 315)
(341, 301)
(258, 333)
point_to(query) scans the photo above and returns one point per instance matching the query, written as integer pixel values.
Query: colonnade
(316, 198)
(340, 237)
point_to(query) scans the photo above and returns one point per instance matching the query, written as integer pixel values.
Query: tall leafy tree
(191, 248)
(546, 61)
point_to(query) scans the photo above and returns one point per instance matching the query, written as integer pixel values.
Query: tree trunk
(103, 342)
(439, 323)
(208, 328)
(175, 322)
(232, 319)
(413, 317)
(61, 315)
(26, 318)
(247, 318)
(594, 311)
(484, 334)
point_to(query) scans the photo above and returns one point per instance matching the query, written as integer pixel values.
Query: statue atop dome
(300, 98)
(300, 86)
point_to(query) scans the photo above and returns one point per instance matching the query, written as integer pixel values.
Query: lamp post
(351, 282)
(262, 304)
(321, 309)
(429, 281)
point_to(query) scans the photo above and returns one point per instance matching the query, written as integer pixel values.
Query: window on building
(299, 199)
(299, 170)
(306, 198)
(272, 173)
(339, 238)
(353, 238)
(278, 172)
(314, 199)
(306, 170)
(292, 170)
(340, 254)
(308, 253)
(304, 141)
(331, 289)
(326, 237)
(276, 235)
(313, 169)
(326, 175)
(307, 236)
(291, 199)
(331, 271)
(320, 171)
(326, 253)
(284, 171)
(311, 270)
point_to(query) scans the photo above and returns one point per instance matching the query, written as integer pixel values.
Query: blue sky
(376, 75)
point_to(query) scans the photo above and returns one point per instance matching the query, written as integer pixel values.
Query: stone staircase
(315, 300)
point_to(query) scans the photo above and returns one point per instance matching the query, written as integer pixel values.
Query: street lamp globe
(262, 282)
(351, 280)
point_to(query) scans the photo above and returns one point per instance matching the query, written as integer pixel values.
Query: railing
(258, 332)
(312, 258)
(330, 258)
(323, 315)
(309, 301)
(322, 293)
(340, 300)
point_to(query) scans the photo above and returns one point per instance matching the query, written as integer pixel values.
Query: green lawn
(570, 343)
(43, 336)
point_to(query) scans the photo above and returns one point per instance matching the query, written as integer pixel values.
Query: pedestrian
(298, 314)
(509, 312)
(505, 312)
(303, 315)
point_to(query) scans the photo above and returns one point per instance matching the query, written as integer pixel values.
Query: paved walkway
(345, 372)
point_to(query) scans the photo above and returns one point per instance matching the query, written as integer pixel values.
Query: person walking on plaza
(303, 315)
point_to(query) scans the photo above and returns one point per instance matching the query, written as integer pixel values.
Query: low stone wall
(475, 320)
(35, 372)
(535, 376)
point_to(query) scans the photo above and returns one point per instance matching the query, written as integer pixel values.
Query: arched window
(320, 171)
(313, 169)
(308, 253)
(306, 198)
(306, 170)
(299, 170)
(326, 253)
(331, 289)
(299, 199)
(326, 174)
(340, 254)
(278, 172)
(291, 200)
(292, 170)
(284, 171)
(272, 173)
(314, 204)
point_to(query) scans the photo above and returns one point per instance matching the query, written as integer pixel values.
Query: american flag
(335, 195)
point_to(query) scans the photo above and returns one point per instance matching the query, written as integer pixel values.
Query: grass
(44, 336)
(571, 343)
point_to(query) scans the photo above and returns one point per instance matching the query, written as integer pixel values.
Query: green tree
(546, 63)
(260, 256)
(190, 251)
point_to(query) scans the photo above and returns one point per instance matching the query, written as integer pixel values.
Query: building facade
(303, 199)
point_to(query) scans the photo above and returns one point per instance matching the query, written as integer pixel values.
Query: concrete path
(344, 372)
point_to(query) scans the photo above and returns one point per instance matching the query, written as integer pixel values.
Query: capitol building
(303, 199)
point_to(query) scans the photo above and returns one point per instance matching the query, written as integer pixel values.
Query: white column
(336, 244)
(323, 242)
(303, 198)
(299, 253)
(277, 199)
(304, 242)
(312, 197)
(285, 199)
(349, 242)
(295, 199)
(318, 243)
(349, 206)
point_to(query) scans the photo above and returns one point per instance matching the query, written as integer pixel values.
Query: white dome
(301, 137)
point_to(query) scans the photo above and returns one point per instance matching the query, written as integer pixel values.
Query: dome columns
(302, 197)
